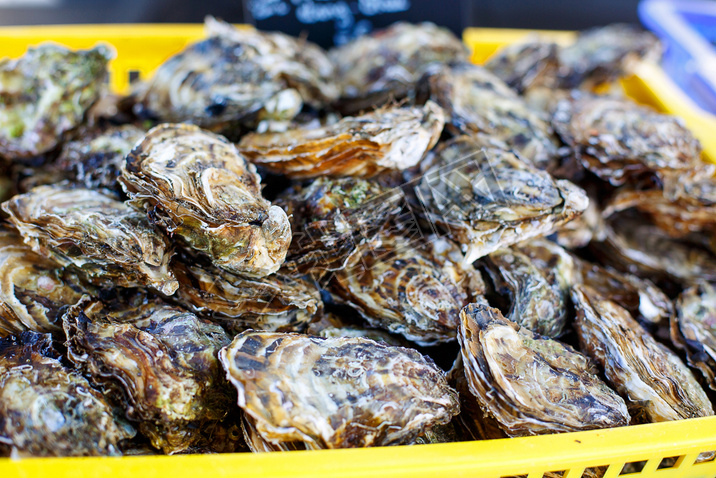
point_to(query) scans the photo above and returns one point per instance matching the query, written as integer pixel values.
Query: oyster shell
(386, 65)
(391, 138)
(158, 360)
(46, 93)
(536, 277)
(105, 239)
(477, 101)
(490, 199)
(329, 217)
(404, 286)
(655, 382)
(531, 384)
(276, 302)
(331, 326)
(239, 75)
(617, 139)
(693, 328)
(196, 185)
(47, 409)
(530, 64)
(33, 291)
(341, 393)
(257, 443)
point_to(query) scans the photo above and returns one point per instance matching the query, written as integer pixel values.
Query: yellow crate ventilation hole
(658, 450)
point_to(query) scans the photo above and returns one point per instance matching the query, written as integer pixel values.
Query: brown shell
(693, 328)
(197, 186)
(47, 409)
(105, 239)
(158, 361)
(531, 384)
(524, 65)
(487, 199)
(341, 393)
(392, 138)
(406, 287)
(655, 382)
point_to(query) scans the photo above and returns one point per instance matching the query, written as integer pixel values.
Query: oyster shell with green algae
(536, 277)
(238, 75)
(276, 302)
(693, 328)
(34, 291)
(339, 393)
(158, 361)
(387, 64)
(531, 384)
(330, 217)
(393, 138)
(48, 409)
(477, 101)
(108, 241)
(487, 199)
(45, 94)
(407, 286)
(196, 186)
(618, 140)
(652, 378)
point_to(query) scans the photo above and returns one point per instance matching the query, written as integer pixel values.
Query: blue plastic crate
(687, 28)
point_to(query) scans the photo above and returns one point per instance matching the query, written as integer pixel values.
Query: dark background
(455, 14)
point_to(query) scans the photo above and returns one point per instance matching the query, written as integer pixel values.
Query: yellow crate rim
(142, 48)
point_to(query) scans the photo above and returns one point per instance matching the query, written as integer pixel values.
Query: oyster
(33, 291)
(617, 139)
(525, 65)
(531, 384)
(491, 199)
(239, 75)
(655, 382)
(387, 64)
(340, 393)
(404, 286)
(47, 409)
(105, 239)
(536, 277)
(158, 360)
(332, 326)
(583, 229)
(257, 443)
(275, 302)
(693, 328)
(45, 94)
(196, 185)
(477, 101)
(391, 138)
(329, 217)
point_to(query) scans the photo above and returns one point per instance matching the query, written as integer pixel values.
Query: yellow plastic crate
(142, 48)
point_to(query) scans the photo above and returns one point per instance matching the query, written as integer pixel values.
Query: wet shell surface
(340, 393)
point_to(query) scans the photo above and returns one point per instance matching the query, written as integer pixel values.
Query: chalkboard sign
(334, 22)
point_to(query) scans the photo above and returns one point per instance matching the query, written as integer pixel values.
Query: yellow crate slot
(142, 48)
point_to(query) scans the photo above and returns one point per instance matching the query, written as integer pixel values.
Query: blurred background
(327, 21)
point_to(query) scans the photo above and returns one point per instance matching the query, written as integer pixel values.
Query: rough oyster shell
(387, 64)
(45, 93)
(160, 359)
(531, 384)
(392, 138)
(239, 75)
(197, 186)
(617, 139)
(693, 328)
(525, 65)
(406, 287)
(491, 199)
(275, 302)
(47, 409)
(329, 217)
(109, 242)
(332, 326)
(341, 393)
(33, 291)
(477, 101)
(655, 382)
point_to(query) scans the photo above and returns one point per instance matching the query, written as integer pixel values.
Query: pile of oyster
(268, 247)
